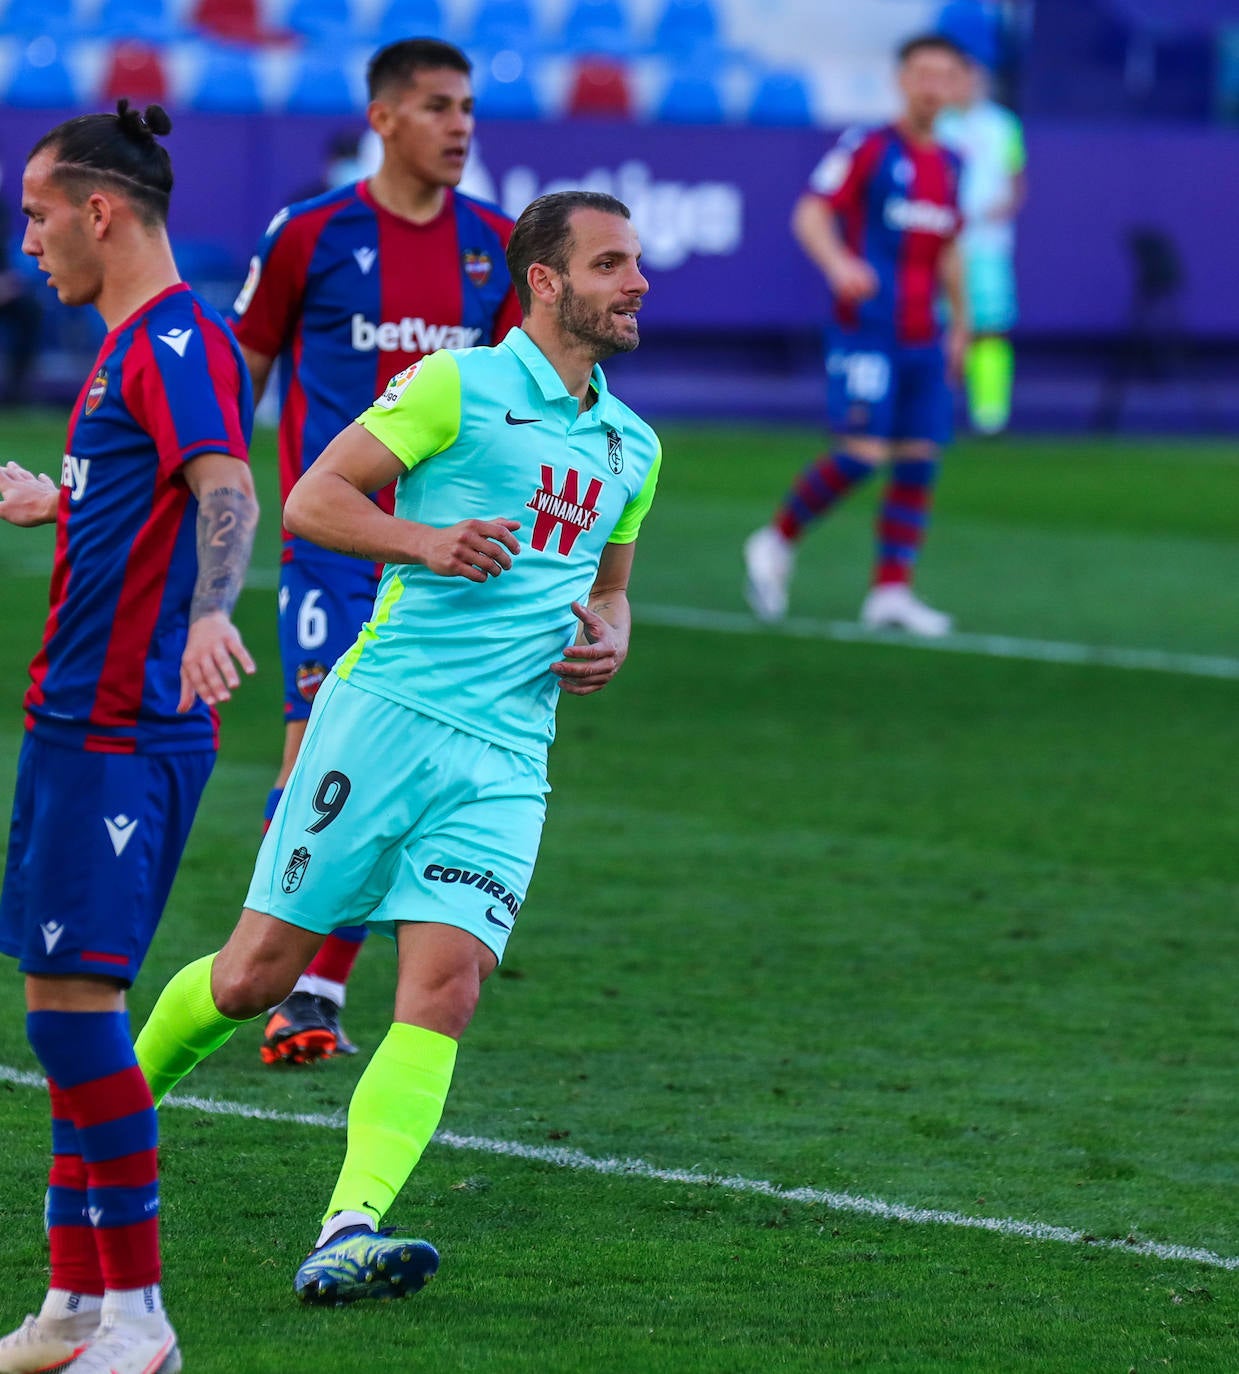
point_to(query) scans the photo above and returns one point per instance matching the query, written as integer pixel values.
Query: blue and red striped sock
(70, 1237)
(89, 1057)
(821, 485)
(903, 519)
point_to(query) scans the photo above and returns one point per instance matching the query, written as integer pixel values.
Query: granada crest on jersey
(98, 390)
(615, 451)
(477, 267)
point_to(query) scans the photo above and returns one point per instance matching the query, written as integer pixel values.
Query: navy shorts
(93, 848)
(886, 391)
(321, 610)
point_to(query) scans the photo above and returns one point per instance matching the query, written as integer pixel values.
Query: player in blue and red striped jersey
(880, 220)
(346, 290)
(155, 517)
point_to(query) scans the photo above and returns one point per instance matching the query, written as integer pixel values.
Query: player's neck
(912, 131)
(138, 277)
(409, 197)
(568, 356)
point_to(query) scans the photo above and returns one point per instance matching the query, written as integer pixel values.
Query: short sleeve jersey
(990, 140)
(898, 207)
(492, 433)
(346, 294)
(168, 386)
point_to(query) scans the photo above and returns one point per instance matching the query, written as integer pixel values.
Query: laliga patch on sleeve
(396, 387)
(246, 294)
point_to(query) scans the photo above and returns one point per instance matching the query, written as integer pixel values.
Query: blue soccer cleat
(360, 1263)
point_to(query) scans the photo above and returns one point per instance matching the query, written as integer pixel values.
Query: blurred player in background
(155, 518)
(880, 220)
(418, 799)
(346, 290)
(990, 140)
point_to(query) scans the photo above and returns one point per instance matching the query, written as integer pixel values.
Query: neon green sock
(989, 371)
(183, 1028)
(394, 1111)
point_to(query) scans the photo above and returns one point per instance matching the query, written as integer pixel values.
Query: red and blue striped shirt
(346, 294)
(898, 207)
(168, 386)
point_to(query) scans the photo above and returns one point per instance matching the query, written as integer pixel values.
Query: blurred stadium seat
(237, 20)
(598, 27)
(321, 21)
(599, 87)
(685, 26)
(26, 18)
(228, 82)
(509, 92)
(151, 20)
(781, 98)
(502, 24)
(135, 69)
(691, 96)
(321, 85)
(411, 19)
(41, 77)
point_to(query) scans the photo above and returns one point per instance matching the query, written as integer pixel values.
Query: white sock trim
(339, 1221)
(61, 1302)
(134, 1302)
(321, 987)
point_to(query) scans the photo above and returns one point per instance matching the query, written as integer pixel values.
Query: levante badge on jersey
(477, 267)
(98, 390)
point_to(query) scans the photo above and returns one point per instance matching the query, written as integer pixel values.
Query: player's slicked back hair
(930, 42)
(118, 151)
(399, 63)
(543, 233)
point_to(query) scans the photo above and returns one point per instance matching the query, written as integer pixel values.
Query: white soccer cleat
(768, 560)
(47, 1342)
(892, 606)
(130, 1345)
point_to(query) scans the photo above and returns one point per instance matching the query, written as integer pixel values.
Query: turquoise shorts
(391, 816)
(989, 279)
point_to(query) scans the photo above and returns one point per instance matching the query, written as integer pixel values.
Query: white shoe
(893, 607)
(47, 1342)
(130, 1345)
(768, 560)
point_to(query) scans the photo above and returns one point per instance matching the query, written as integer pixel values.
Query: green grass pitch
(940, 929)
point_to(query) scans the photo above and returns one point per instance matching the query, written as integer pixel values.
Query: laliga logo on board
(678, 219)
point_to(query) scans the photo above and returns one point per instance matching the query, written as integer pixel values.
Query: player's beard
(598, 328)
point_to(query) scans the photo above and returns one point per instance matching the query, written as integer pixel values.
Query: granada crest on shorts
(98, 390)
(298, 862)
(477, 267)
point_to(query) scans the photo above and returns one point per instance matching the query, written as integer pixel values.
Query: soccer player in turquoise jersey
(417, 800)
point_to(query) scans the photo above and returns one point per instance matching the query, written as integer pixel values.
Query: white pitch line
(579, 1162)
(988, 646)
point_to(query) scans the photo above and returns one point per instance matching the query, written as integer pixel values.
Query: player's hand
(474, 549)
(25, 499)
(207, 667)
(588, 667)
(957, 340)
(853, 279)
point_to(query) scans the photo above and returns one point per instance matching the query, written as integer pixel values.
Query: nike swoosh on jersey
(513, 420)
(494, 920)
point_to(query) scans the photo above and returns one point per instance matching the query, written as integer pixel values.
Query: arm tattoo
(227, 520)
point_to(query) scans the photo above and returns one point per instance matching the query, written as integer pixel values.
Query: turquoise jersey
(490, 434)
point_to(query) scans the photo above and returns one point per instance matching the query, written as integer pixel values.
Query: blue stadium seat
(28, 17)
(320, 21)
(781, 99)
(513, 97)
(228, 82)
(41, 78)
(320, 86)
(692, 97)
(150, 20)
(503, 24)
(598, 28)
(685, 27)
(411, 19)
(974, 27)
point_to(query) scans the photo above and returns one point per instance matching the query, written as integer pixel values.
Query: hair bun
(142, 127)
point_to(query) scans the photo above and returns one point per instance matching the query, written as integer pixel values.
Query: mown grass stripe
(987, 646)
(579, 1162)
